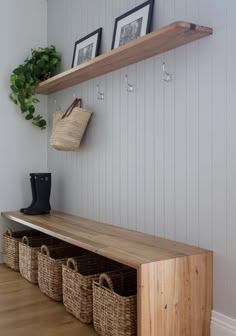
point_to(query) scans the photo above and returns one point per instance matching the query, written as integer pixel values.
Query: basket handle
(72, 264)
(9, 232)
(72, 106)
(45, 250)
(105, 278)
(25, 240)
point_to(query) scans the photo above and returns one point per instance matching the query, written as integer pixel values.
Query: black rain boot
(43, 191)
(33, 190)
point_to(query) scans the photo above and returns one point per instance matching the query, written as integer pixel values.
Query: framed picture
(133, 24)
(87, 48)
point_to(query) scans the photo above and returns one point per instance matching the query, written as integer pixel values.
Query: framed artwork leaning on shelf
(87, 48)
(133, 24)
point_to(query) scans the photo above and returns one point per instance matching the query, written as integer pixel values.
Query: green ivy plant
(41, 66)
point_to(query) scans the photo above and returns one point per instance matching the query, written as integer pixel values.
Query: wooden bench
(174, 279)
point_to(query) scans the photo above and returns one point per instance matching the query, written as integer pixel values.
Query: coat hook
(100, 95)
(167, 77)
(57, 107)
(129, 87)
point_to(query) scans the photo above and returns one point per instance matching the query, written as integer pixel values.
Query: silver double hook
(100, 95)
(166, 76)
(129, 87)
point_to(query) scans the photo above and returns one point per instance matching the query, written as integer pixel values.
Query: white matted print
(132, 25)
(87, 48)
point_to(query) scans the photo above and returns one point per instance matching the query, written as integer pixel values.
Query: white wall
(163, 159)
(23, 25)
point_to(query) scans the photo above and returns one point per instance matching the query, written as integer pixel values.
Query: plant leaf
(40, 66)
(13, 98)
(31, 109)
(29, 117)
(35, 100)
(24, 108)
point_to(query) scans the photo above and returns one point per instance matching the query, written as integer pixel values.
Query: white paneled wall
(23, 148)
(160, 160)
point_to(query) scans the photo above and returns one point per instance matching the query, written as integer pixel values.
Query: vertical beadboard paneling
(140, 149)
(169, 132)
(109, 146)
(124, 148)
(192, 124)
(231, 145)
(90, 151)
(102, 156)
(192, 149)
(149, 205)
(109, 117)
(161, 159)
(219, 153)
(132, 150)
(205, 132)
(159, 164)
(116, 181)
(180, 132)
(95, 153)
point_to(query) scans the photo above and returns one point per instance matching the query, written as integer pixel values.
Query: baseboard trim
(222, 325)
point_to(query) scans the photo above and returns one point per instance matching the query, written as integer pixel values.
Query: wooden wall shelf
(169, 37)
(174, 279)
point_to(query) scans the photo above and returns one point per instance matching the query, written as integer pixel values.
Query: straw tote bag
(69, 127)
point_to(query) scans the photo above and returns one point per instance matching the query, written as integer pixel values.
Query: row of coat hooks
(166, 76)
(130, 87)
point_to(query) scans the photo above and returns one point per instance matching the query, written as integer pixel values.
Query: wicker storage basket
(28, 255)
(50, 268)
(115, 304)
(11, 246)
(69, 127)
(78, 276)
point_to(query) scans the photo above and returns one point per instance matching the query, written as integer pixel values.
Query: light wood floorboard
(24, 310)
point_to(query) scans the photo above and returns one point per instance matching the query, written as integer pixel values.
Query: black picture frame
(87, 49)
(149, 3)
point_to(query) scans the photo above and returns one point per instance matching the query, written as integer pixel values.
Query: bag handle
(104, 278)
(72, 264)
(45, 250)
(72, 106)
(25, 240)
(9, 232)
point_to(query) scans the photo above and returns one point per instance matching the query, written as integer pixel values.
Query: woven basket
(11, 246)
(69, 127)
(78, 276)
(115, 304)
(50, 263)
(28, 255)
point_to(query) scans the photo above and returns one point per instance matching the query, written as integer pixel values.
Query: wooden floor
(25, 311)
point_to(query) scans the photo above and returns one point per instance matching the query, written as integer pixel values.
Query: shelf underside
(169, 37)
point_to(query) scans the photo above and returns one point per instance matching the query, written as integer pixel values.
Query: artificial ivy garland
(41, 66)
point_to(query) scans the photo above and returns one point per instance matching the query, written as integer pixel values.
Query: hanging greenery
(41, 66)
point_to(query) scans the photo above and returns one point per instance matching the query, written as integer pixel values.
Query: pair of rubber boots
(41, 190)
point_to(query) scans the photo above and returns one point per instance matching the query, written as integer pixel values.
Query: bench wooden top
(129, 247)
